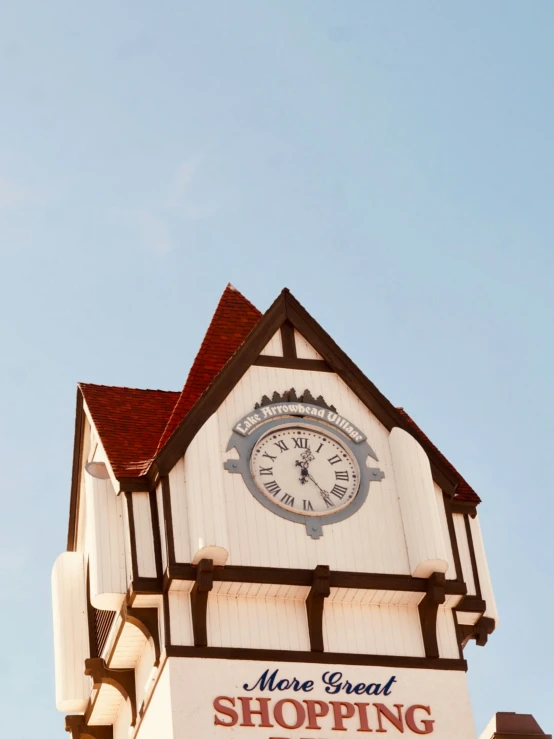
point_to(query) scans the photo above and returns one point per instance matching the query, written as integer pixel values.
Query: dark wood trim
(472, 556)
(479, 631)
(308, 365)
(168, 521)
(337, 579)
(78, 729)
(155, 519)
(167, 620)
(288, 340)
(135, 574)
(122, 680)
(471, 604)
(517, 726)
(136, 484)
(314, 606)
(199, 601)
(331, 658)
(92, 650)
(146, 621)
(461, 506)
(144, 586)
(75, 495)
(453, 538)
(428, 610)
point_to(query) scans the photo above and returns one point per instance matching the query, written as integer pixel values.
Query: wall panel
(370, 629)
(257, 623)
(144, 535)
(463, 548)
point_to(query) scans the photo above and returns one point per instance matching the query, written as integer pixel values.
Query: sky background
(391, 162)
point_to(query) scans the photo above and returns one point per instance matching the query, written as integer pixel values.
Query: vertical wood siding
(446, 634)
(161, 519)
(180, 618)
(179, 512)
(463, 547)
(372, 629)
(483, 569)
(303, 349)
(107, 562)
(451, 571)
(257, 622)
(144, 535)
(205, 491)
(275, 347)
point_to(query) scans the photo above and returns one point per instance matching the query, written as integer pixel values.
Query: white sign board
(225, 699)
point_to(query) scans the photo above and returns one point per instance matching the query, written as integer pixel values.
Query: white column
(71, 638)
(418, 505)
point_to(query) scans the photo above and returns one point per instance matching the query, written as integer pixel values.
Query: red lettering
(247, 712)
(426, 727)
(339, 715)
(396, 721)
(362, 713)
(300, 713)
(313, 715)
(225, 710)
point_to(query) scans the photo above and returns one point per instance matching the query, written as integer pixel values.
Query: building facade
(274, 551)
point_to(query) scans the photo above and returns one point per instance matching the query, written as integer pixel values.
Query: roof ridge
(126, 387)
(233, 319)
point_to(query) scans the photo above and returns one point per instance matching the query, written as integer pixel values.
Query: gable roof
(130, 423)
(145, 430)
(233, 320)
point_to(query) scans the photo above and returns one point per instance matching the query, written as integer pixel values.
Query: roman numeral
(266, 470)
(272, 488)
(287, 499)
(341, 475)
(300, 443)
(319, 447)
(282, 446)
(265, 454)
(307, 505)
(339, 491)
(334, 460)
(328, 503)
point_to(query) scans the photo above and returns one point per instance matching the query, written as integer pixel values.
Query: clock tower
(275, 551)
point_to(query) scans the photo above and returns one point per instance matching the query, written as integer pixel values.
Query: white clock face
(305, 470)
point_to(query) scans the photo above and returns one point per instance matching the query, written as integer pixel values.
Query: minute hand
(324, 494)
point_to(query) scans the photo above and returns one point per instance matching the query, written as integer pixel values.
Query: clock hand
(324, 494)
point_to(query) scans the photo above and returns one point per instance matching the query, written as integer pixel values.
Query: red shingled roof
(233, 320)
(135, 424)
(130, 423)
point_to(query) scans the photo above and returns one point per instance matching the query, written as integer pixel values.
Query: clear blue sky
(391, 162)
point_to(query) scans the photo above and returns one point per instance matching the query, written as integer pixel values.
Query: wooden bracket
(314, 606)
(480, 631)
(146, 621)
(428, 610)
(199, 601)
(78, 729)
(122, 680)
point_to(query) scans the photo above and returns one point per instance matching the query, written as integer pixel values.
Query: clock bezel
(245, 443)
(324, 431)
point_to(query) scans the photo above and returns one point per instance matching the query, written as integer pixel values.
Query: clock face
(305, 470)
